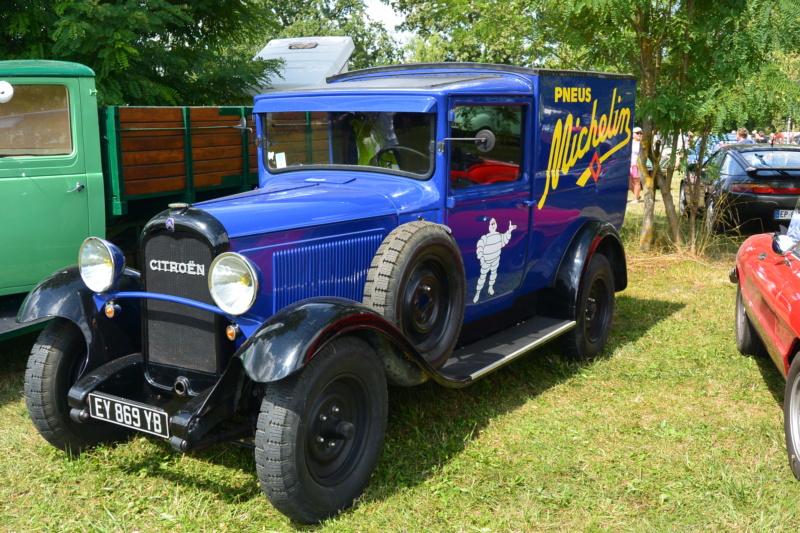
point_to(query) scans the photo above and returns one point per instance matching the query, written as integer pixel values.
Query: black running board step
(487, 355)
(9, 327)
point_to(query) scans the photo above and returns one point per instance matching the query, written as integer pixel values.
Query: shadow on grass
(13, 358)
(230, 456)
(773, 379)
(428, 425)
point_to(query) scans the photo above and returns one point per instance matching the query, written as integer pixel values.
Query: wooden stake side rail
(175, 152)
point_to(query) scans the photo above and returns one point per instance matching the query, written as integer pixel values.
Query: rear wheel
(56, 362)
(593, 312)
(320, 432)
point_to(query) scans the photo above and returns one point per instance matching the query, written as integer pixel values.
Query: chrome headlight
(100, 263)
(233, 282)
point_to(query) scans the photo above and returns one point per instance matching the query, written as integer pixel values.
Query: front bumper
(214, 415)
(760, 209)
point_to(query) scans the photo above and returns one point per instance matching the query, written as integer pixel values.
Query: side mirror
(485, 140)
(242, 127)
(6, 92)
(783, 244)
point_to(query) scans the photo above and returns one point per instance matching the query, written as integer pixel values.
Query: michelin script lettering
(572, 140)
(190, 268)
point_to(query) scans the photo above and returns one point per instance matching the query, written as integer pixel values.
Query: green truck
(69, 170)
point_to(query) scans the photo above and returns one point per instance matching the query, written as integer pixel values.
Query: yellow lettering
(570, 144)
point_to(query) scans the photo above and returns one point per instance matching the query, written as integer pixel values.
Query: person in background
(742, 136)
(635, 184)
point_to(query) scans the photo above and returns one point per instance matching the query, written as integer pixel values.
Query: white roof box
(309, 60)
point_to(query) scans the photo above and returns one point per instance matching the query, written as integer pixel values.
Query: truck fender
(65, 295)
(594, 236)
(289, 339)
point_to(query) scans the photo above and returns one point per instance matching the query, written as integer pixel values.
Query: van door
(489, 199)
(44, 212)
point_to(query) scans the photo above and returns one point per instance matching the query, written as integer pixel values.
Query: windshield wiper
(763, 161)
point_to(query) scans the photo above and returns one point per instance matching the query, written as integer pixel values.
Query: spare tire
(416, 281)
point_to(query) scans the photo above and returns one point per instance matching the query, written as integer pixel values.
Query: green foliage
(303, 18)
(464, 30)
(158, 52)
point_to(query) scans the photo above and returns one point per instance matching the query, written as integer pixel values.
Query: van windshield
(396, 142)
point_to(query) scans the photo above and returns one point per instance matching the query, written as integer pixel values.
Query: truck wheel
(320, 432)
(747, 341)
(791, 416)
(416, 281)
(593, 312)
(55, 363)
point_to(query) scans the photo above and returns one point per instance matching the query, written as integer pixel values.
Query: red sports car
(767, 273)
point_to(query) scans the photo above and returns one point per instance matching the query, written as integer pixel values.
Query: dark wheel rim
(338, 429)
(425, 301)
(596, 313)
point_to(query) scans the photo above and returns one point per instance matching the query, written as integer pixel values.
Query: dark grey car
(753, 187)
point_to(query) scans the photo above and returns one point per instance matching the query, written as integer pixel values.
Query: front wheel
(747, 341)
(320, 432)
(791, 416)
(56, 362)
(593, 311)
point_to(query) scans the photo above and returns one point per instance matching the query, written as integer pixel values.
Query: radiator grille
(179, 335)
(326, 269)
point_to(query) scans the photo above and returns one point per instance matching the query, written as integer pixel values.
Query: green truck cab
(69, 170)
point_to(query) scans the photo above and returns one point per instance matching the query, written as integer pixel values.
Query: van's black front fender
(65, 295)
(288, 340)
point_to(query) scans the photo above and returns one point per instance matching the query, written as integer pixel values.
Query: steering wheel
(397, 149)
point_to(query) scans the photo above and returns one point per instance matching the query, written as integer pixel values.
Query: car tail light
(758, 188)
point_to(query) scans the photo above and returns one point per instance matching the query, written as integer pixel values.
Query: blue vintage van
(411, 223)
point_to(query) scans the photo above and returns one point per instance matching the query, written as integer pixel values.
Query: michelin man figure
(488, 250)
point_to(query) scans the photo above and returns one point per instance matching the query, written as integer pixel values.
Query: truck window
(471, 167)
(36, 122)
(394, 142)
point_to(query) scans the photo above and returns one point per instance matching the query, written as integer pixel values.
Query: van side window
(471, 167)
(36, 122)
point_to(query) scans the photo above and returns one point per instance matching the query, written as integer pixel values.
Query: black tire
(305, 476)
(55, 363)
(747, 340)
(416, 281)
(791, 417)
(593, 312)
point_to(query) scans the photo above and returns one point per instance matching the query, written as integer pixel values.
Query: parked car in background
(767, 274)
(748, 186)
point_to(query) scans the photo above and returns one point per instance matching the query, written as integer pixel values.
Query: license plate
(783, 214)
(129, 414)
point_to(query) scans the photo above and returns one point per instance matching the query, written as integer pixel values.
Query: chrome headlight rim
(109, 251)
(241, 306)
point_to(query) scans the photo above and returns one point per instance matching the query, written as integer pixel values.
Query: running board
(487, 355)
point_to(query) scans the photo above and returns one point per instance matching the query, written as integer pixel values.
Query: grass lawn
(671, 429)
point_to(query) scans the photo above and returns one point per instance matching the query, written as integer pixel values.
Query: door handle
(525, 203)
(78, 188)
